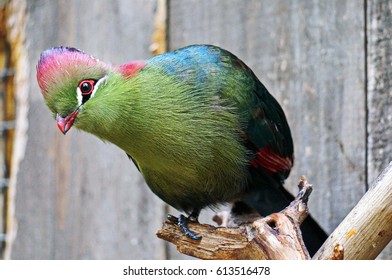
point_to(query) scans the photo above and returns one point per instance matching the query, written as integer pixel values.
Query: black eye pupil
(86, 87)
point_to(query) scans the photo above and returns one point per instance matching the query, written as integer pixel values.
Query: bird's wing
(268, 135)
(265, 127)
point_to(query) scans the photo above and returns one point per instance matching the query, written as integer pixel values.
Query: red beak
(65, 124)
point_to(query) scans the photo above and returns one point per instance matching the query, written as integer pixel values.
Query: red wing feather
(271, 161)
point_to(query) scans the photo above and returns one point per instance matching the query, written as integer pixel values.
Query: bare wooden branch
(367, 229)
(217, 243)
(363, 234)
(338, 252)
(276, 236)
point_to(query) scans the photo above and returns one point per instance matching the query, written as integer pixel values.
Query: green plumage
(187, 140)
(197, 122)
(184, 118)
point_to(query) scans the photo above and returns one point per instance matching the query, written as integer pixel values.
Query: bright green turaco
(198, 124)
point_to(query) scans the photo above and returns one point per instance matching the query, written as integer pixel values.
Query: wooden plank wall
(379, 91)
(328, 63)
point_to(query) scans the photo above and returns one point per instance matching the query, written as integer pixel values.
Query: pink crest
(61, 63)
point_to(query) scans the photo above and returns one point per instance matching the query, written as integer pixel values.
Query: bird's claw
(182, 223)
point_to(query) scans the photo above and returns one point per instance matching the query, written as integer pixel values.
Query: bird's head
(75, 84)
(68, 79)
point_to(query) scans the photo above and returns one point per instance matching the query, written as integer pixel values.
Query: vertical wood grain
(77, 197)
(379, 102)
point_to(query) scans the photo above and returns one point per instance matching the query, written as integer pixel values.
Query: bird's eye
(86, 86)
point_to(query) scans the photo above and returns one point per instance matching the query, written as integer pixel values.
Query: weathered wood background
(328, 62)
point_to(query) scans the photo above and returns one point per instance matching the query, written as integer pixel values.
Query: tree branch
(367, 229)
(276, 236)
(363, 234)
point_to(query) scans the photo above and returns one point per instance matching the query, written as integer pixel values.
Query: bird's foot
(182, 223)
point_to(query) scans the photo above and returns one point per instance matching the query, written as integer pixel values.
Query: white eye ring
(79, 94)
